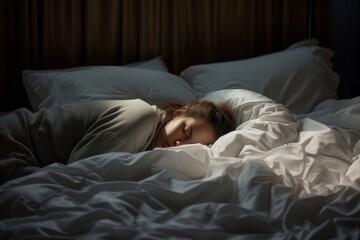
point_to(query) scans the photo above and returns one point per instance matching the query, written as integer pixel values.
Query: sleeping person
(70, 132)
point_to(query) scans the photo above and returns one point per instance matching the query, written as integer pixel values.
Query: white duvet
(277, 176)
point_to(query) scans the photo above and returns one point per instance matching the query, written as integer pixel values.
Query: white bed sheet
(277, 176)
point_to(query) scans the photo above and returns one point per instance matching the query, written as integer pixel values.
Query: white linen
(272, 178)
(341, 113)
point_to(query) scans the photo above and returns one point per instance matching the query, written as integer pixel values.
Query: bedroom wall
(345, 43)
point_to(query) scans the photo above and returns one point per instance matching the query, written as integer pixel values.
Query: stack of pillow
(299, 77)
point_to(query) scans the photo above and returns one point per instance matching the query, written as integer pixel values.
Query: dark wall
(346, 45)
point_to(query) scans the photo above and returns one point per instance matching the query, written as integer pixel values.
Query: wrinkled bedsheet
(277, 176)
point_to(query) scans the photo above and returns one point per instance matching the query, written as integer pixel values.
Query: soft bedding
(277, 176)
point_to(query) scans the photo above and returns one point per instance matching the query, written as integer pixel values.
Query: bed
(290, 170)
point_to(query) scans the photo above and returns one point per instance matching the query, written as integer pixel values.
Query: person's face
(185, 130)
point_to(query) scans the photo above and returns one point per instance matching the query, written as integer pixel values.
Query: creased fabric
(274, 177)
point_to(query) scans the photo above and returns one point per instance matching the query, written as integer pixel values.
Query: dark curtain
(49, 34)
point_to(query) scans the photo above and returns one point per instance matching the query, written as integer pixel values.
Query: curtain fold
(58, 34)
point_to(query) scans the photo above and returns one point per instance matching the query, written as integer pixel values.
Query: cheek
(206, 136)
(203, 139)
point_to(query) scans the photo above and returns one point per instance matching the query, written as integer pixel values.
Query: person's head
(197, 122)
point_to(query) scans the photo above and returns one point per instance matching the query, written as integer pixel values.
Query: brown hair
(220, 116)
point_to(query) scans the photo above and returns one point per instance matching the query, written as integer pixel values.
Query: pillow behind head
(300, 77)
(48, 87)
(244, 103)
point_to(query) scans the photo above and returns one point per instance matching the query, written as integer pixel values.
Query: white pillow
(49, 87)
(299, 77)
(243, 102)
